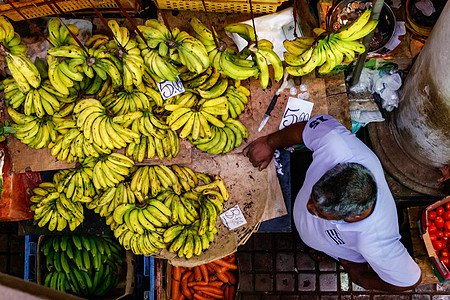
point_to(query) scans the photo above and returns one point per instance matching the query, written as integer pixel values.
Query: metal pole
(377, 5)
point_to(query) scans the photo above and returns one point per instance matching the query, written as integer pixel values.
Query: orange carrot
(204, 271)
(181, 297)
(193, 283)
(184, 285)
(201, 297)
(210, 268)
(231, 292)
(227, 292)
(223, 263)
(211, 289)
(176, 271)
(215, 283)
(231, 277)
(175, 289)
(214, 295)
(197, 274)
(222, 277)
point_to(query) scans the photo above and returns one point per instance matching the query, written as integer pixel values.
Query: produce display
(90, 100)
(439, 230)
(327, 50)
(214, 280)
(149, 208)
(87, 266)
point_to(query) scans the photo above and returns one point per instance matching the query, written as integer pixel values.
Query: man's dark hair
(345, 191)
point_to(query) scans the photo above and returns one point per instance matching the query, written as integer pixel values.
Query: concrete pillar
(423, 116)
(418, 140)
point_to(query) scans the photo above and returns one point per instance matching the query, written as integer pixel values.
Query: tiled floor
(277, 267)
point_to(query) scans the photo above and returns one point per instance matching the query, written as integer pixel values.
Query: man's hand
(259, 152)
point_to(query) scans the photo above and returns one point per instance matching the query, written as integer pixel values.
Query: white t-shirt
(374, 239)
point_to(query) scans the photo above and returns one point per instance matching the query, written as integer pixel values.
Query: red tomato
(439, 234)
(444, 252)
(447, 206)
(429, 223)
(439, 222)
(432, 215)
(444, 260)
(446, 215)
(440, 211)
(437, 245)
(447, 225)
(432, 229)
(433, 237)
(446, 233)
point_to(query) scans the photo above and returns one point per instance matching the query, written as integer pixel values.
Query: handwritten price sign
(297, 110)
(168, 89)
(233, 218)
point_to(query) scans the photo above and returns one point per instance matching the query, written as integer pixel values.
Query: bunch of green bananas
(329, 49)
(126, 49)
(34, 131)
(59, 34)
(166, 45)
(223, 139)
(54, 208)
(204, 34)
(86, 266)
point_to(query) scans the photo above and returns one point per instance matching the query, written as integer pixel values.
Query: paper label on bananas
(168, 89)
(233, 218)
(297, 110)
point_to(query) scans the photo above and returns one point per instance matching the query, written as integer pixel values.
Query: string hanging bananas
(329, 49)
(87, 266)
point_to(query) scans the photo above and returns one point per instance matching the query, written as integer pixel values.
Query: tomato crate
(242, 6)
(41, 8)
(441, 270)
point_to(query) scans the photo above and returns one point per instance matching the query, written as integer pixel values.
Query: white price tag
(233, 218)
(168, 89)
(297, 110)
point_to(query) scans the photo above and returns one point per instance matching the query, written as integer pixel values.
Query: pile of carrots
(211, 281)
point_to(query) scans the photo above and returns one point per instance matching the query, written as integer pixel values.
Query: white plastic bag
(276, 27)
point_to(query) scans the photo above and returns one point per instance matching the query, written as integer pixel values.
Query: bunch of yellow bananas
(54, 208)
(327, 50)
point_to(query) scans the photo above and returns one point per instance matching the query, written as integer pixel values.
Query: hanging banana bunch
(125, 48)
(177, 46)
(261, 51)
(329, 49)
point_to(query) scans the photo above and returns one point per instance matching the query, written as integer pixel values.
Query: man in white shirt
(344, 208)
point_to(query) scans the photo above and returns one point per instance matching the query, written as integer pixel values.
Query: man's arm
(363, 276)
(260, 151)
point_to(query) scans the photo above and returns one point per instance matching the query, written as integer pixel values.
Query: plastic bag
(15, 190)
(275, 27)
